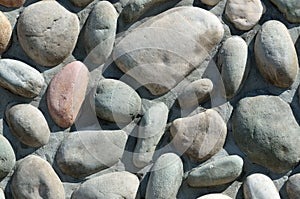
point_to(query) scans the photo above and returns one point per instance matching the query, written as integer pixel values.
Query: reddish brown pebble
(5, 32)
(12, 3)
(66, 93)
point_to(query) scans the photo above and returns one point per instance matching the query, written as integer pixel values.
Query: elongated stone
(151, 129)
(5, 32)
(20, 78)
(66, 93)
(7, 157)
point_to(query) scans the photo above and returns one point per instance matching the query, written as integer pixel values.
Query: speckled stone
(66, 93)
(290, 8)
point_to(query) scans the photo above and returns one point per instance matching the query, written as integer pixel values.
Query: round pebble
(280, 69)
(7, 157)
(28, 124)
(35, 178)
(47, 32)
(66, 93)
(244, 14)
(5, 32)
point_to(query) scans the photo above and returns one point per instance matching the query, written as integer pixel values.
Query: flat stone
(293, 186)
(233, 59)
(210, 2)
(195, 93)
(7, 157)
(165, 177)
(199, 136)
(280, 69)
(35, 178)
(78, 157)
(100, 31)
(160, 52)
(214, 196)
(117, 102)
(66, 93)
(47, 32)
(2, 194)
(5, 32)
(265, 129)
(20, 78)
(260, 186)
(150, 130)
(28, 124)
(81, 3)
(218, 172)
(244, 14)
(290, 8)
(12, 3)
(136, 8)
(121, 185)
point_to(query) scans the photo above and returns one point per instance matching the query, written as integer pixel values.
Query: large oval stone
(160, 52)
(47, 32)
(35, 178)
(233, 59)
(275, 54)
(117, 102)
(218, 172)
(7, 157)
(20, 78)
(28, 124)
(100, 31)
(78, 157)
(199, 136)
(260, 186)
(111, 185)
(165, 178)
(66, 93)
(265, 129)
(5, 32)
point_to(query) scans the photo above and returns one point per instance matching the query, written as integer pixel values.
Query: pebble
(66, 93)
(233, 59)
(145, 55)
(117, 102)
(244, 14)
(217, 172)
(199, 136)
(210, 2)
(81, 3)
(121, 185)
(47, 32)
(290, 8)
(100, 31)
(12, 3)
(136, 8)
(5, 32)
(35, 178)
(90, 159)
(165, 177)
(280, 69)
(259, 186)
(20, 78)
(265, 129)
(150, 131)
(293, 186)
(195, 93)
(2, 194)
(214, 196)
(28, 124)
(7, 157)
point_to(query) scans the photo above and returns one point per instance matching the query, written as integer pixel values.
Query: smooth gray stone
(218, 172)
(265, 129)
(78, 157)
(20, 78)
(165, 178)
(150, 130)
(7, 157)
(290, 8)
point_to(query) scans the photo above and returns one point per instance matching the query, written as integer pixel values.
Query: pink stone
(66, 93)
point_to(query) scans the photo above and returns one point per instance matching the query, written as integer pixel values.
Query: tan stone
(5, 32)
